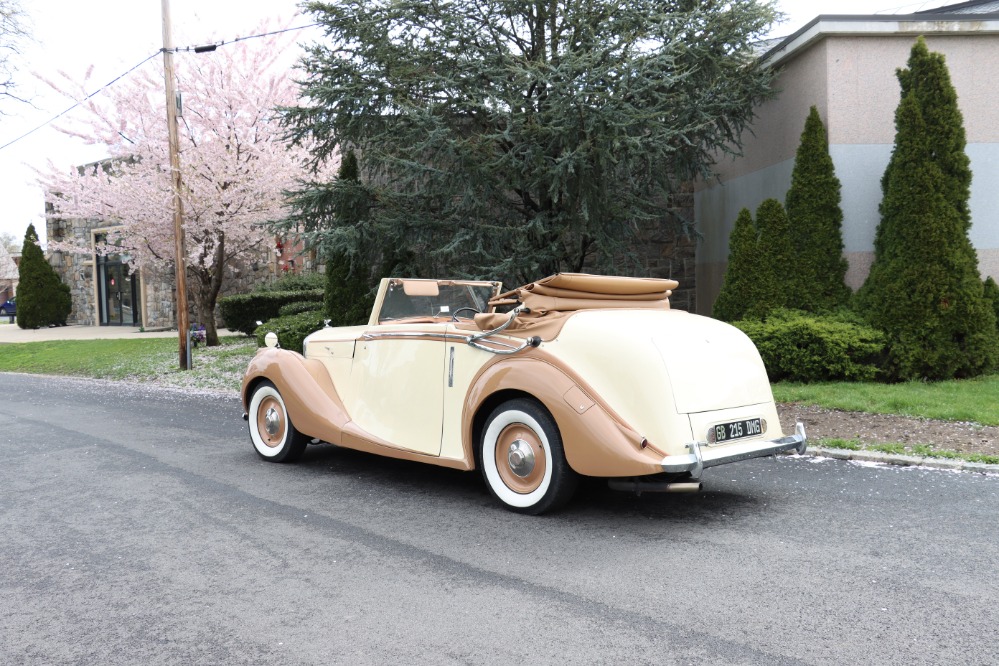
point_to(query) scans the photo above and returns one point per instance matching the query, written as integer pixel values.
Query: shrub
(297, 307)
(803, 347)
(291, 330)
(759, 254)
(992, 294)
(42, 298)
(742, 256)
(817, 282)
(241, 312)
(349, 296)
(924, 289)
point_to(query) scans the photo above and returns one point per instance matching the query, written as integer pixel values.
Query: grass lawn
(974, 400)
(151, 360)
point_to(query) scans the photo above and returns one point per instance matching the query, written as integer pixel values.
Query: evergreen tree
(992, 294)
(349, 297)
(42, 298)
(509, 139)
(924, 289)
(928, 79)
(743, 250)
(776, 261)
(819, 279)
(760, 256)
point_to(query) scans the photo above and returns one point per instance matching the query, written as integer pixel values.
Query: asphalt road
(139, 527)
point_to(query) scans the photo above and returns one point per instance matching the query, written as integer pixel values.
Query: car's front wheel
(522, 458)
(274, 437)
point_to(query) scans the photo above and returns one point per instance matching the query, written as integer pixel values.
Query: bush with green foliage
(924, 289)
(291, 330)
(241, 312)
(991, 290)
(349, 293)
(805, 347)
(743, 253)
(818, 281)
(42, 298)
(296, 307)
(760, 260)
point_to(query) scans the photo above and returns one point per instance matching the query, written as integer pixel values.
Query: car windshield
(407, 299)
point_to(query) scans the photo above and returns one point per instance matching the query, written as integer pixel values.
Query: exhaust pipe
(639, 487)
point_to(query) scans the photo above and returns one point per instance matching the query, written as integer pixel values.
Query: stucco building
(845, 66)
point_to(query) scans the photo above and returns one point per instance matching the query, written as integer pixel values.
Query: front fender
(309, 395)
(596, 441)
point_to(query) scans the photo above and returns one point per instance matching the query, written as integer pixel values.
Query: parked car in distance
(9, 308)
(582, 375)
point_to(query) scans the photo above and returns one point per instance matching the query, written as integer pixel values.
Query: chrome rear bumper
(701, 455)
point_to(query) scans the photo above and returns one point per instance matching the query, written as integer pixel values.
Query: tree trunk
(208, 278)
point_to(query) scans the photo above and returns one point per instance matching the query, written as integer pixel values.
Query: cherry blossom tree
(235, 166)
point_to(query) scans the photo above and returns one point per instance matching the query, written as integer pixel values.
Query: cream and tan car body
(636, 389)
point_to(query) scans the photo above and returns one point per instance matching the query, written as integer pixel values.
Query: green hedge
(241, 312)
(802, 347)
(291, 330)
(297, 307)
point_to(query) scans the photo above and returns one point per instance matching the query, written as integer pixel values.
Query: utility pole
(178, 205)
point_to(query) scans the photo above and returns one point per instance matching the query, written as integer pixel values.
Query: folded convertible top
(567, 292)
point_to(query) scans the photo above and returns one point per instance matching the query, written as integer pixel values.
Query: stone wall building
(106, 291)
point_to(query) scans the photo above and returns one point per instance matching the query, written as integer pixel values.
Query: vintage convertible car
(582, 375)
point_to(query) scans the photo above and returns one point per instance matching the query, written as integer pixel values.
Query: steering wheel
(454, 315)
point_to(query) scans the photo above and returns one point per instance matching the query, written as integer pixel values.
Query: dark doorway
(117, 292)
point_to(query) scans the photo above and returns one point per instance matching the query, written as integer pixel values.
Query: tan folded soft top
(554, 298)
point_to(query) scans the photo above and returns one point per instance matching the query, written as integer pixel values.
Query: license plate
(726, 432)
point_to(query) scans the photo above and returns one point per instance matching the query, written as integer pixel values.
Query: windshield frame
(404, 300)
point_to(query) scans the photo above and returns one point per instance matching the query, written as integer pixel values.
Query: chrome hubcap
(272, 421)
(521, 458)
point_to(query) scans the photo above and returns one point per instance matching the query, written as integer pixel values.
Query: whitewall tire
(522, 458)
(273, 435)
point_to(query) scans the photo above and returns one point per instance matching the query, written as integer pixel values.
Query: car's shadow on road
(390, 479)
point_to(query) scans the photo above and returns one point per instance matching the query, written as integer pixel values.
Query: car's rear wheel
(522, 458)
(274, 437)
(3, 312)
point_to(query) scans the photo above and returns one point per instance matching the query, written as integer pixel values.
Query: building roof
(978, 17)
(973, 7)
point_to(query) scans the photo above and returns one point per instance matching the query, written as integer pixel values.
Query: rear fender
(596, 441)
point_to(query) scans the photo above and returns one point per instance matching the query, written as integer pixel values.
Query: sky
(111, 36)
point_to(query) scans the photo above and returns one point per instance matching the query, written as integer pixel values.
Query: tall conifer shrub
(42, 298)
(816, 220)
(736, 290)
(760, 260)
(348, 297)
(924, 289)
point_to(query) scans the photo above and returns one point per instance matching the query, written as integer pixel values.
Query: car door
(396, 391)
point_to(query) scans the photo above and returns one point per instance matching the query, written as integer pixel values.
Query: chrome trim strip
(443, 336)
(414, 334)
(450, 369)
(470, 340)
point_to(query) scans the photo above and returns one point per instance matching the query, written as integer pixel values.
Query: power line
(204, 48)
(79, 102)
(196, 49)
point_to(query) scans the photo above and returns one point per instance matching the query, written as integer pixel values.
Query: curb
(951, 464)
